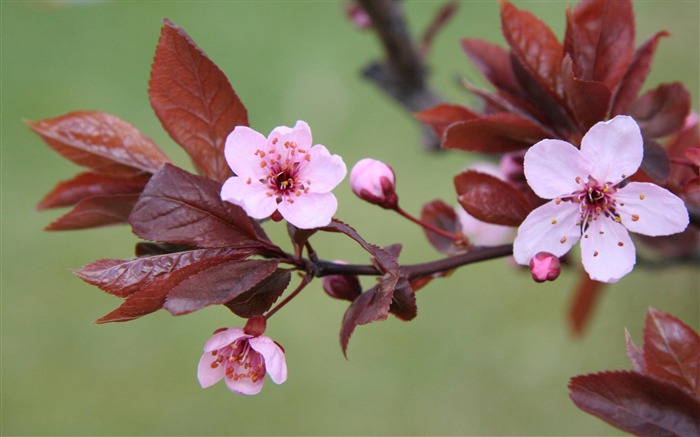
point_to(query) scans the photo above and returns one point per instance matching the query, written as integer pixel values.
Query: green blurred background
(490, 352)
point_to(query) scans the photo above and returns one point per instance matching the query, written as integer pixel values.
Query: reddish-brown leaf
(551, 106)
(588, 100)
(533, 43)
(262, 296)
(383, 259)
(672, 351)
(600, 39)
(179, 207)
(102, 142)
(583, 304)
(194, 101)
(371, 306)
(496, 133)
(634, 353)
(494, 62)
(637, 403)
(123, 278)
(490, 199)
(96, 211)
(656, 163)
(151, 297)
(636, 74)
(217, 285)
(89, 184)
(403, 302)
(661, 111)
(441, 116)
(441, 215)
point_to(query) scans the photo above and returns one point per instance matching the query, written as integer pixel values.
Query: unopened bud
(346, 287)
(545, 267)
(255, 326)
(375, 182)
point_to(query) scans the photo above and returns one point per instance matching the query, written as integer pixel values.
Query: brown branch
(325, 268)
(402, 75)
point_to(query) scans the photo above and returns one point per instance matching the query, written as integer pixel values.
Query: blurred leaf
(656, 163)
(441, 116)
(636, 74)
(583, 304)
(533, 43)
(123, 278)
(600, 39)
(88, 184)
(490, 199)
(661, 111)
(496, 133)
(194, 101)
(96, 211)
(441, 215)
(672, 351)
(637, 403)
(261, 296)
(217, 285)
(179, 207)
(494, 62)
(102, 142)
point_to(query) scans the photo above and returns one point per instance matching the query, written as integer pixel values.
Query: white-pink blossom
(242, 360)
(592, 200)
(283, 173)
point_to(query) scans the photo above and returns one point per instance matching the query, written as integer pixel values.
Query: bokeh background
(490, 352)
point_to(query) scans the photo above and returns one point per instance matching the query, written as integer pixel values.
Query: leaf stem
(427, 226)
(304, 282)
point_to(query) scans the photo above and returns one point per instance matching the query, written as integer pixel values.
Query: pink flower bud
(545, 267)
(375, 182)
(346, 287)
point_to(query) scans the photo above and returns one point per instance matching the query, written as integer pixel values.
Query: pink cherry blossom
(242, 360)
(593, 202)
(282, 173)
(375, 182)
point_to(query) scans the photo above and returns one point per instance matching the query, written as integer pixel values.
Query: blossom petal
(275, 362)
(299, 134)
(206, 374)
(607, 251)
(245, 386)
(616, 147)
(651, 210)
(555, 168)
(309, 210)
(249, 194)
(482, 233)
(325, 171)
(224, 338)
(552, 228)
(240, 148)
